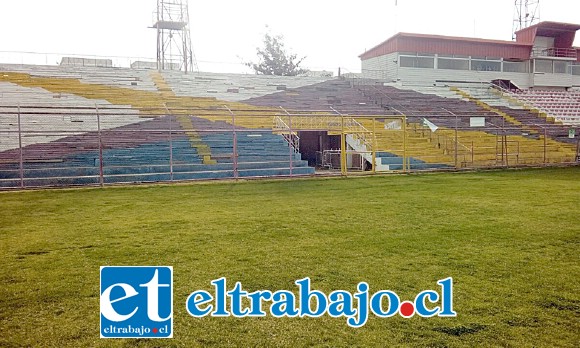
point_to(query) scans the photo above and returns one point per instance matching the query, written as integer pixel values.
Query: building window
(453, 64)
(575, 70)
(517, 67)
(417, 62)
(544, 66)
(560, 67)
(485, 65)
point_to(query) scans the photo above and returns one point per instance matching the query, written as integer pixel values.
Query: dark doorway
(313, 143)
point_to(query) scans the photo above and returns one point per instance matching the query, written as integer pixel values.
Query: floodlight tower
(174, 51)
(526, 13)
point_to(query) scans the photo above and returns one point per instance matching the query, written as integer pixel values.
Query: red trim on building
(549, 29)
(563, 33)
(438, 44)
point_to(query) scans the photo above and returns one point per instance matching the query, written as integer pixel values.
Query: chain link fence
(104, 145)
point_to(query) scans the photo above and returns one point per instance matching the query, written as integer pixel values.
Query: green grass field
(510, 240)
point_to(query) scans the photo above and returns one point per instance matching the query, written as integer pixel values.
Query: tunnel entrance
(313, 144)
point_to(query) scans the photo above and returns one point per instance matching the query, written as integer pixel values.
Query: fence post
(456, 142)
(342, 147)
(472, 155)
(374, 142)
(405, 143)
(235, 147)
(169, 115)
(290, 147)
(20, 159)
(577, 159)
(170, 148)
(101, 174)
(292, 141)
(505, 148)
(496, 146)
(545, 144)
(235, 143)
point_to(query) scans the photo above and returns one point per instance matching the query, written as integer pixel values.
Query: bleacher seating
(233, 87)
(505, 114)
(138, 79)
(476, 146)
(59, 112)
(229, 87)
(322, 96)
(60, 140)
(172, 126)
(516, 113)
(563, 106)
(141, 153)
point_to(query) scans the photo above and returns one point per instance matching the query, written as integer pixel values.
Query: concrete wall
(321, 73)
(387, 68)
(74, 61)
(556, 80)
(381, 67)
(414, 76)
(153, 65)
(143, 65)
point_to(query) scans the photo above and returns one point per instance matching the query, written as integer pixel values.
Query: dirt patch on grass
(461, 330)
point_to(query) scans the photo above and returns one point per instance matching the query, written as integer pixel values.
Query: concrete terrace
(89, 124)
(148, 132)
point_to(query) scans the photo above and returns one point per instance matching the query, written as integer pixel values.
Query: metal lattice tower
(174, 50)
(526, 13)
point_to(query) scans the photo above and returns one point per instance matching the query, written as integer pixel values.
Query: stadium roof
(564, 33)
(551, 28)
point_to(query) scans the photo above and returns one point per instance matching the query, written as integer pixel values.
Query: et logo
(136, 302)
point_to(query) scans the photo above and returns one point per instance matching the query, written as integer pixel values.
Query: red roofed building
(541, 56)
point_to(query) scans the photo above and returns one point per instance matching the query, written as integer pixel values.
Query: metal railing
(359, 132)
(103, 145)
(463, 154)
(554, 52)
(291, 137)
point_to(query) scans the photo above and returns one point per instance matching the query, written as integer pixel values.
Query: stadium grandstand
(422, 102)
(540, 70)
(424, 193)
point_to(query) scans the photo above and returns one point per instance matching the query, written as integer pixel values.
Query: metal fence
(68, 146)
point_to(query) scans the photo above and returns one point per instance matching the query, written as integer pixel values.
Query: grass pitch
(509, 239)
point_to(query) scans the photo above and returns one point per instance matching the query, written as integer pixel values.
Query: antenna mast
(174, 51)
(526, 13)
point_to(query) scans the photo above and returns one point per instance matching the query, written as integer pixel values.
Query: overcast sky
(225, 32)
